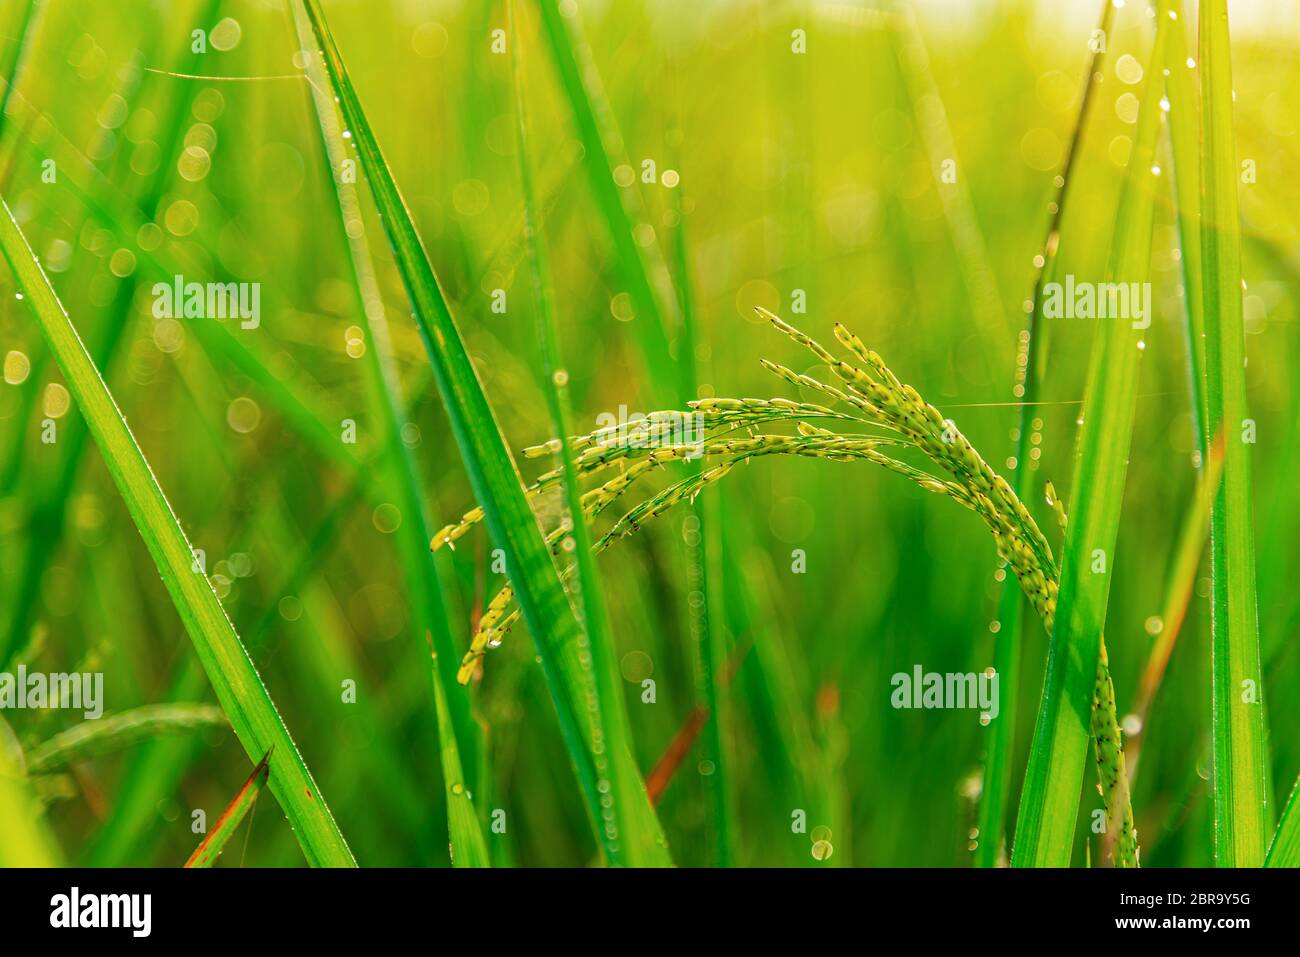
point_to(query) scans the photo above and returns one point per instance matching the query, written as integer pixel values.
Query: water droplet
(17, 367)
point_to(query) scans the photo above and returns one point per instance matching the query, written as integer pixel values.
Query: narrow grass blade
(491, 469)
(1049, 802)
(1240, 760)
(1285, 849)
(239, 688)
(90, 739)
(996, 791)
(1184, 147)
(610, 717)
(641, 267)
(206, 854)
(703, 545)
(460, 738)
(706, 637)
(468, 849)
(1178, 596)
(11, 68)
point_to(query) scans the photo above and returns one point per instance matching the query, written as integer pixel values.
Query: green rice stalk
(833, 751)
(995, 794)
(424, 582)
(491, 470)
(642, 268)
(703, 545)
(1108, 743)
(1241, 802)
(624, 793)
(1183, 110)
(467, 847)
(1072, 687)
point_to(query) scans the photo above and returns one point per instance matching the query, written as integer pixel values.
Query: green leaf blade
(492, 474)
(1241, 816)
(1285, 848)
(239, 688)
(459, 737)
(1049, 804)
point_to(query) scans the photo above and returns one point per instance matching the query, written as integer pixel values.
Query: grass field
(554, 433)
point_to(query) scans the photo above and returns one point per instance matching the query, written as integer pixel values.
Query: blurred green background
(811, 174)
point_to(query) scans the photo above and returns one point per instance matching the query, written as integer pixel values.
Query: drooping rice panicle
(495, 624)
(876, 397)
(1114, 787)
(723, 416)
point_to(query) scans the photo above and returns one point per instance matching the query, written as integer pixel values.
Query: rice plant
(871, 395)
(449, 414)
